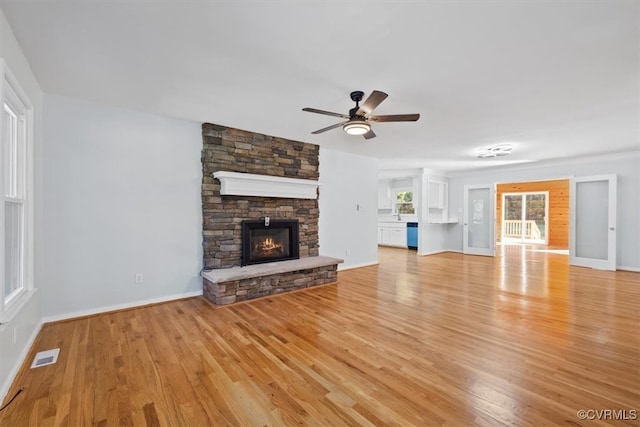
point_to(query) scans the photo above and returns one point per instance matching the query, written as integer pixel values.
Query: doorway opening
(533, 213)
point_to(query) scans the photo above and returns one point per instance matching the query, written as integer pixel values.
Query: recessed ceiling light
(498, 150)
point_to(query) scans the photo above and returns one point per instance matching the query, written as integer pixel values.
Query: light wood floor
(522, 339)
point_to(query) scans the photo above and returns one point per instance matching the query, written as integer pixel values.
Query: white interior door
(592, 239)
(479, 220)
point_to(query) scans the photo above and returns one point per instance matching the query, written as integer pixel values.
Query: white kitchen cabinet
(437, 205)
(384, 195)
(437, 195)
(391, 234)
(397, 237)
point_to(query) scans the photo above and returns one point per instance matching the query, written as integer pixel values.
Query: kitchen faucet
(399, 218)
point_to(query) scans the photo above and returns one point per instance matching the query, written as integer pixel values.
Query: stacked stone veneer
(244, 289)
(234, 150)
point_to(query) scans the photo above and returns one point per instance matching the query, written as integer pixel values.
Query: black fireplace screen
(277, 241)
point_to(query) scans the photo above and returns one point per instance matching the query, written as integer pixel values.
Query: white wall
(121, 196)
(625, 165)
(27, 322)
(431, 237)
(348, 204)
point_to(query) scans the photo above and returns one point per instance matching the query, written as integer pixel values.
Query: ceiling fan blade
(395, 118)
(326, 113)
(371, 103)
(369, 134)
(337, 125)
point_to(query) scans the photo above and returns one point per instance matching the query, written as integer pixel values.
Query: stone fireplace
(233, 272)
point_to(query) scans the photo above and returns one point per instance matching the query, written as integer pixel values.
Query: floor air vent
(47, 357)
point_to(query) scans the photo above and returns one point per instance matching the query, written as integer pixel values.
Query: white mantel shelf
(248, 184)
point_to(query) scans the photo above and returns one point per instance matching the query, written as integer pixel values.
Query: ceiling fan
(359, 116)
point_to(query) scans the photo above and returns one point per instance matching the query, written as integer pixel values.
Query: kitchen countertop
(394, 219)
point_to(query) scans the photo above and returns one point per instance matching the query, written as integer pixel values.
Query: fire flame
(269, 247)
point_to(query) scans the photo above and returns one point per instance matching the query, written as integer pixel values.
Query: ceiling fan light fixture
(357, 121)
(356, 127)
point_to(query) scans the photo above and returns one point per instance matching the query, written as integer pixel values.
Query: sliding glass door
(524, 217)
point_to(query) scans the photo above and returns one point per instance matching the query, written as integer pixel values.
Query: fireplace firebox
(269, 241)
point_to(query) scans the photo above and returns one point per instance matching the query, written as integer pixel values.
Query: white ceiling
(554, 78)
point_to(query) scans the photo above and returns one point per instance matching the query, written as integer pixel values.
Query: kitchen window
(404, 202)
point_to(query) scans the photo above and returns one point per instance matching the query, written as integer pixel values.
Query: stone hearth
(226, 286)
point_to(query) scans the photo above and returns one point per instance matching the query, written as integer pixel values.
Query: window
(404, 202)
(15, 211)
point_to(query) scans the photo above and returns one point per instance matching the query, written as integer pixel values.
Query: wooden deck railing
(513, 228)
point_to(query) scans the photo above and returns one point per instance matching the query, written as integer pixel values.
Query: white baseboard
(432, 253)
(342, 267)
(633, 269)
(439, 252)
(19, 361)
(116, 307)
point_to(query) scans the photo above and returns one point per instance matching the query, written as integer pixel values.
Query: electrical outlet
(139, 278)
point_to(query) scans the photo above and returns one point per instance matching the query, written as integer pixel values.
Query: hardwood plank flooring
(521, 339)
